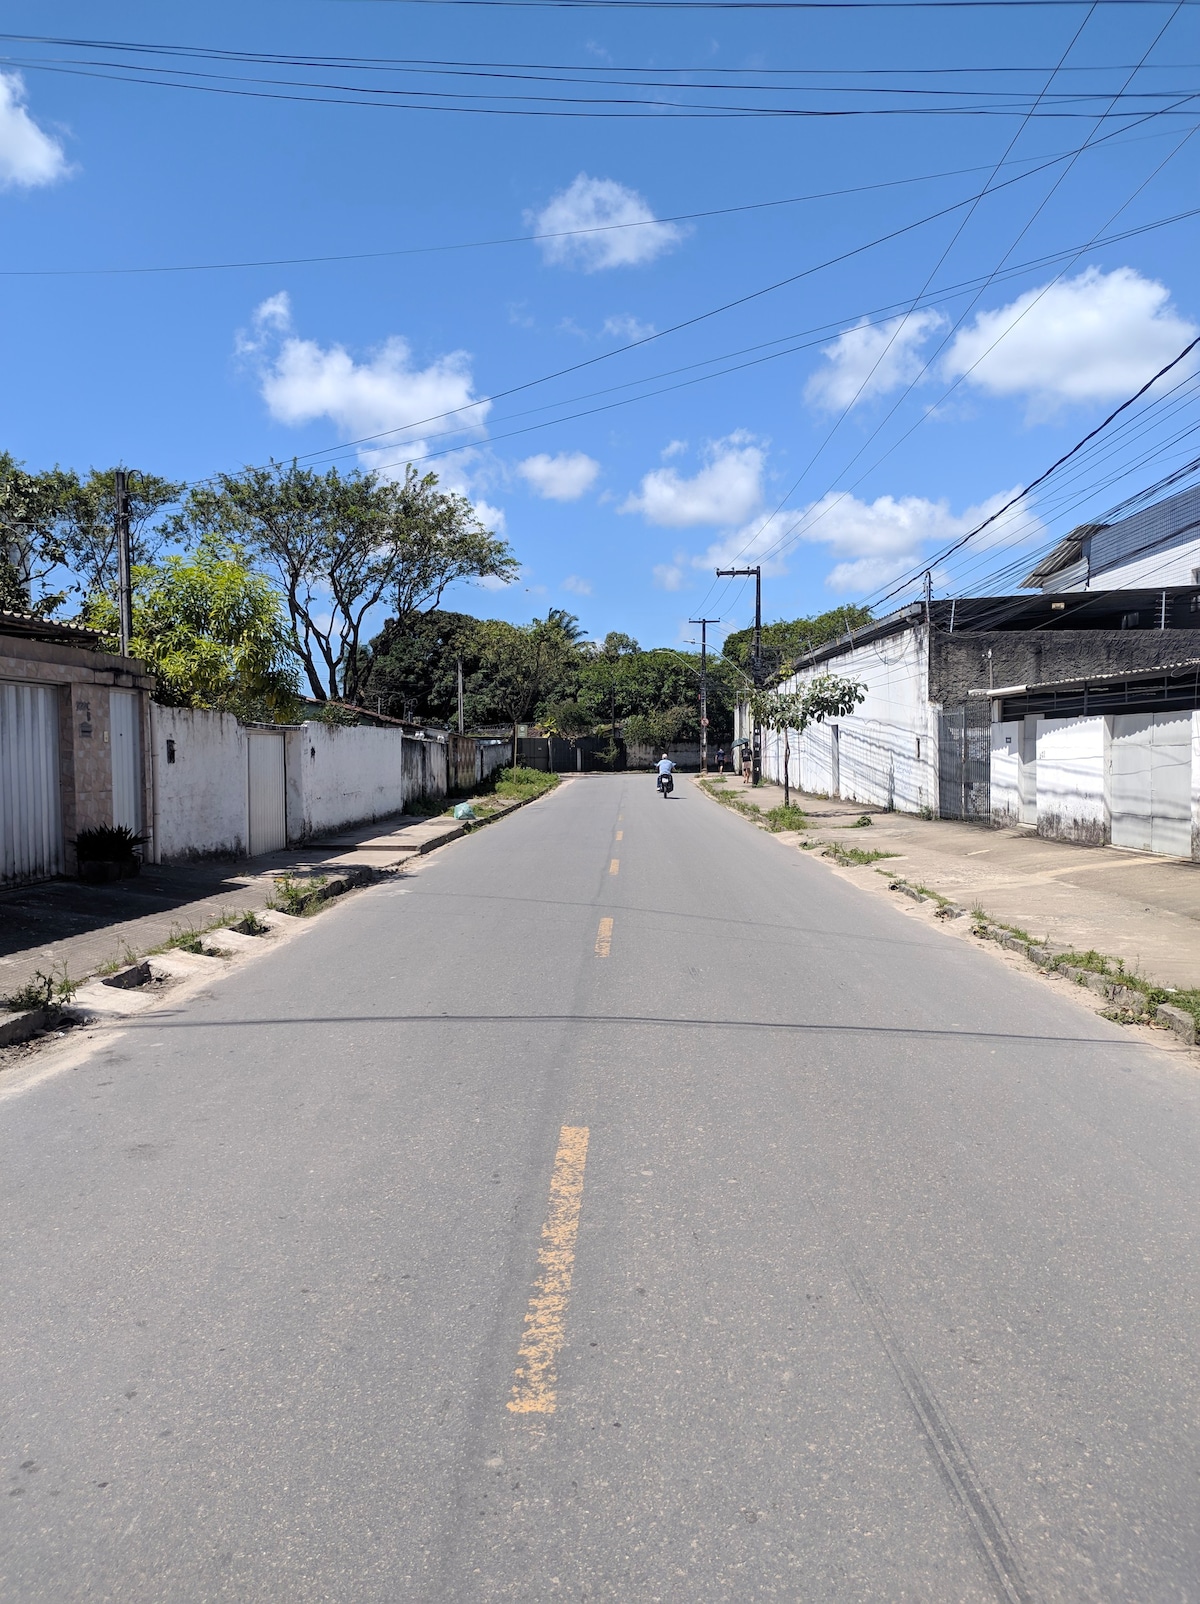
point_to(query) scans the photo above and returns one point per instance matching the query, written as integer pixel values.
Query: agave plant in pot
(108, 852)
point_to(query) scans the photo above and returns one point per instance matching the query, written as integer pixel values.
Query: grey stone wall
(959, 663)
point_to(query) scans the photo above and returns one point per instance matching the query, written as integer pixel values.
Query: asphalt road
(823, 1257)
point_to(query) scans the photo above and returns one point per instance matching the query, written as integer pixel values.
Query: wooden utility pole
(704, 623)
(124, 567)
(756, 662)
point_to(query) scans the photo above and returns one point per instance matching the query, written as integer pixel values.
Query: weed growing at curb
(841, 854)
(523, 785)
(43, 991)
(297, 897)
(787, 817)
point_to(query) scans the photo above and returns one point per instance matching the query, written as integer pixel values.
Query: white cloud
(675, 448)
(725, 491)
(669, 576)
(1096, 337)
(565, 477)
(753, 543)
(624, 326)
(867, 361)
(579, 587)
(490, 517)
(29, 156)
(630, 236)
(302, 381)
(879, 540)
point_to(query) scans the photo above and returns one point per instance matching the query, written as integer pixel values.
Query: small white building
(1074, 718)
(1156, 548)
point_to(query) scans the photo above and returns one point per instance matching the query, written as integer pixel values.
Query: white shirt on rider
(665, 766)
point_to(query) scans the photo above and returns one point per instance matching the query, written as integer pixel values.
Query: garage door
(1150, 782)
(31, 845)
(267, 799)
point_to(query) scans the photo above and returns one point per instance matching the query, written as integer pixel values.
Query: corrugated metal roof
(47, 629)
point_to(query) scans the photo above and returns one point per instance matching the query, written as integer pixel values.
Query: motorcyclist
(665, 769)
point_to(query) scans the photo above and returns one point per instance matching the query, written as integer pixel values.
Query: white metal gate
(266, 791)
(126, 742)
(1150, 782)
(31, 846)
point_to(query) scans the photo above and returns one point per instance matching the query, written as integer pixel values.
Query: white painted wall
(1071, 764)
(888, 746)
(200, 798)
(1168, 565)
(346, 776)
(1006, 772)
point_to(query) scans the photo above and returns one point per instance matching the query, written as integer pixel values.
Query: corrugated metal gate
(1150, 782)
(31, 844)
(266, 791)
(965, 761)
(126, 745)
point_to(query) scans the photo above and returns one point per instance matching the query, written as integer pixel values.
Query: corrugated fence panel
(31, 846)
(266, 790)
(126, 760)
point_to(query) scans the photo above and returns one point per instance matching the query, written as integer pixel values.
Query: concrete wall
(348, 775)
(336, 777)
(1071, 765)
(959, 662)
(887, 748)
(684, 754)
(198, 762)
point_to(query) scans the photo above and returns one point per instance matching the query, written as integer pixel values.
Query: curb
(18, 1028)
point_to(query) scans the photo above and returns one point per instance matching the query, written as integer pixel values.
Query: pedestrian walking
(747, 764)
(720, 760)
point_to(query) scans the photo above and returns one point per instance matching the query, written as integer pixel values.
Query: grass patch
(787, 816)
(43, 991)
(841, 854)
(295, 896)
(522, 785)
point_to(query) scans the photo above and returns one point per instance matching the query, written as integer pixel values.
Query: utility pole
(460, 698)
(756, 663)
(704, 623)
(124, 577)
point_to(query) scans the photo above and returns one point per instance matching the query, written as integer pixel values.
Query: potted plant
(108, 852)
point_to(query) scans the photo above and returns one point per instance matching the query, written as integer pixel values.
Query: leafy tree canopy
(212, 630)
(339, 545)
(55, 525)
(785, 640)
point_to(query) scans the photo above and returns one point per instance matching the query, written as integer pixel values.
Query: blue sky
(619, 515)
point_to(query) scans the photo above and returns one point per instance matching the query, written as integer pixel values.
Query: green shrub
(107, 843)
(522, 785)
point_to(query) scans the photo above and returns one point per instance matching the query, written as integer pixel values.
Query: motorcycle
(666, 784)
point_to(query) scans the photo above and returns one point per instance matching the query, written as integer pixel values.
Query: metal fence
(965, 762)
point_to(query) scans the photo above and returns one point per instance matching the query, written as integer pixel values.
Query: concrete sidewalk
(1141, 908)
(61, 924)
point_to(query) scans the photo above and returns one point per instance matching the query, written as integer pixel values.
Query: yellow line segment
(614, 866)
(604, 938)
(534, 1390)
(620, 835)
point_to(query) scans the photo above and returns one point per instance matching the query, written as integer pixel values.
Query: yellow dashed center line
(536, 1380)
(614, 866)
(604, 938)
(620, 835)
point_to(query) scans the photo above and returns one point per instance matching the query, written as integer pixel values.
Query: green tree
(339, 545)
(827, 696)
(524, 666)
(54, 523)
(212, 630)
(410, 669)
(784, 641)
